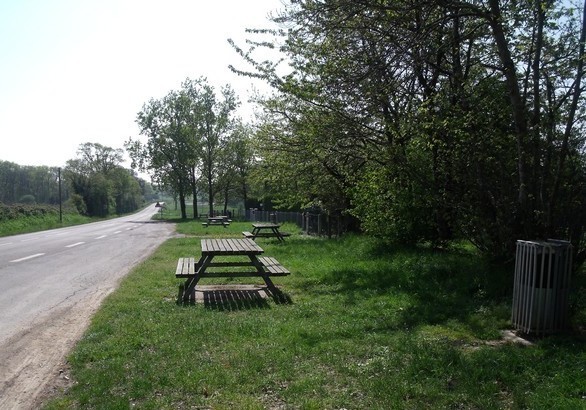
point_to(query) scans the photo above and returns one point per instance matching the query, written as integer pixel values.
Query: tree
(185, 131)
(168, 149)
(18, 182)
(443, 118)
(101, 186)
(216, 124)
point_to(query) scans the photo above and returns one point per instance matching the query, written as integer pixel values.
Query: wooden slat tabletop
(266, 225)
(230, 247)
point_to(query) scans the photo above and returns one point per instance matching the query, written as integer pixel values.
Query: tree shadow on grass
(233, 297)
(439, 286)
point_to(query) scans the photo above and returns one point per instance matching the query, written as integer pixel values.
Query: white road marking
(36, 255)
(5, 243)
(101, 237)
(74, 244)
(117, 231)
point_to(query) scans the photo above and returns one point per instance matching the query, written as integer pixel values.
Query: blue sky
(75, 71)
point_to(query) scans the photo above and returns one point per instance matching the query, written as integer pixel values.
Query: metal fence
(311, 223)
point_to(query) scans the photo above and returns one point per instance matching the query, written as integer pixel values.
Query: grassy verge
(363, 325)
(37, 223)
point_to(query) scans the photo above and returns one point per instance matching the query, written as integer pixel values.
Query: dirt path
(33, 362)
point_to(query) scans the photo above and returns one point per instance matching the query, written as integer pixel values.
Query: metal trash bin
(541, 286)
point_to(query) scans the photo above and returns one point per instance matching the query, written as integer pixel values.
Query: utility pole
(60, 200)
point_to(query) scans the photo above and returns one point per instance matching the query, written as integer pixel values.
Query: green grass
(28, 224)
(362, 325)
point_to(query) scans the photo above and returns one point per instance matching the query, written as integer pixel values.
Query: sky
(74, 71)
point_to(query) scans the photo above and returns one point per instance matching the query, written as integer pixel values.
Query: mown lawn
(361, 325)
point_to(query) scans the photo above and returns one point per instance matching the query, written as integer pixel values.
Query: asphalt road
(50, 284)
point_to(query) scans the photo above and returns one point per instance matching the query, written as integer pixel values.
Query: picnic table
(240, 249)
(217, 220)
(266, 230)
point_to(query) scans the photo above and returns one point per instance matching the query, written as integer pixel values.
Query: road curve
(51, 282)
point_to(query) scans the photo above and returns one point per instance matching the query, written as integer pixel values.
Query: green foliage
(186, 133)
(17, 211)
(429, 120)
(23, 218)
(101, 186)
(76, 201)
(401, 212)
(303, 163)
(19, 183)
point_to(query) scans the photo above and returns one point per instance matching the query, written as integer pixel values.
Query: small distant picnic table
(266, 230)
(217, 220)
(205, 267)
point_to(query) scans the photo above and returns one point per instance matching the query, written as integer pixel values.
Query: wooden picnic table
(217, 220)
(266, 230)
(241, 249)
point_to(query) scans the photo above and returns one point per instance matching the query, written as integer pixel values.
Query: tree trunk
(226, 200)
(194, 193)
(518, 109)
(210, 195)
(195, 213)
(182, 202)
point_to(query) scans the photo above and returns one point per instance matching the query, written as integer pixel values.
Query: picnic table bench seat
(215, 223)
(264, 234)
(273, 267)
(186, 267)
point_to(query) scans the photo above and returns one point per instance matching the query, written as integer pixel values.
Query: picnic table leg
(190, 283)
(262, 272)
(278, 234)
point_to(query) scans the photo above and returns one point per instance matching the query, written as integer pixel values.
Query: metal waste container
(542, 285)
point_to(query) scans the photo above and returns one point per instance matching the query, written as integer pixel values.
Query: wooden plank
(213, 245)
(225, 264)
(192, 267)
(266, 226)
(179, 267)
(186, 267)
(252, 246)
(245, 246)
(273, 266)
(244, 274)
(230, 247)
(233, 246)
